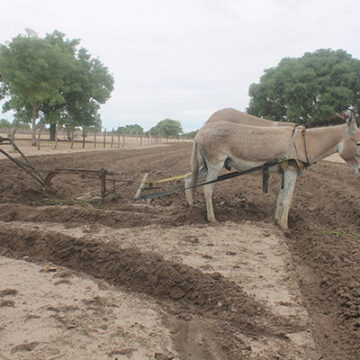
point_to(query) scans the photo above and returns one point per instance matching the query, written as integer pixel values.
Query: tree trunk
(84, 137)
(72, 134)
(41, 126)
(14, 132)
(56, 133)
(33, 134)
(52, 132)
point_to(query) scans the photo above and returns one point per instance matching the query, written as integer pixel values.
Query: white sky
(185, 59)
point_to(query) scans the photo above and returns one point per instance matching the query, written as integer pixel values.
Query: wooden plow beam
(45, 180)
(150, 186)
(24, 163)
(90, 173)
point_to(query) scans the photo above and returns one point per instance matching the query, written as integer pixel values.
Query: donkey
(233, 116)
(244, 147)
(239, 117)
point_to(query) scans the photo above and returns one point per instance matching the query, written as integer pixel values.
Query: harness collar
(294, 156)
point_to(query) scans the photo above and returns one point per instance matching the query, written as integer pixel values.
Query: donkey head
(349, 149)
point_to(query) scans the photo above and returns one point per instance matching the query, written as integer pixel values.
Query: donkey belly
(241, 165)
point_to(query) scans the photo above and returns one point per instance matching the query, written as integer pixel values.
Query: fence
(91, 140)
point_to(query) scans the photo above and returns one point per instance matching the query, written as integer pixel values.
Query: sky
(186, 59)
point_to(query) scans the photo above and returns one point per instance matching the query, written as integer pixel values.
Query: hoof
(213, 222)
(283, 227)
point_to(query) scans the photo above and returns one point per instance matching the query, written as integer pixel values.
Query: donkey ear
(350, 116)
(351, 121)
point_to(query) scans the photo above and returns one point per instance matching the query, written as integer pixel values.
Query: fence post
(83, 139)
(56, 133)
(104, 138)
(118, 140)
(94, 138)
(112, 138)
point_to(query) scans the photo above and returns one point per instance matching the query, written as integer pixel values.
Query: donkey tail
(194, 164)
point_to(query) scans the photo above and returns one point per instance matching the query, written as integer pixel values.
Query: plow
(44, 177)
(148, 189)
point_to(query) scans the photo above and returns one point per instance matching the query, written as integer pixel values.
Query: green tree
(54, 79)
(167, 128)
(133, 129)
(54, 113)
(190, 134)
(32, 72)
(5, 123)
(88, 86)
(308, 90)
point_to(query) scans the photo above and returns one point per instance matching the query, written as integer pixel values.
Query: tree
(54, 79)
(55, 112)
(32, 72)
(5, 123)
(133, 129)
(190, 135)
(89, 84)
(308, 90)
(167, 128)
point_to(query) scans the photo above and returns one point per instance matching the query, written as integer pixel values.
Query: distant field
(98, 142)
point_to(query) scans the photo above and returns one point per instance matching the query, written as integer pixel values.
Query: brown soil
(241, 289)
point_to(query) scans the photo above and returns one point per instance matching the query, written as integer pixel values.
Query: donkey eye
(358, 143)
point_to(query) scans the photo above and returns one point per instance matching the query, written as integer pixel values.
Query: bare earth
(117, 279)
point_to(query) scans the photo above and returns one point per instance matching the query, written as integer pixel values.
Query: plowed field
(122, 279)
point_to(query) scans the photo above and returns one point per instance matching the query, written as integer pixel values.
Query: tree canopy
(167, 128)
(190, 134)
(52, 78)
(5, 123)
(133, 129)
(308, 90)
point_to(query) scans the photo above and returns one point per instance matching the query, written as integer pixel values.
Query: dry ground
(117, 279)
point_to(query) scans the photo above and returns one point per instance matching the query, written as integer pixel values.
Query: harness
(292, 159)
(290, 154)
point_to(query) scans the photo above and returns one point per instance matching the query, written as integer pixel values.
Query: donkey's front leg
(285, 197)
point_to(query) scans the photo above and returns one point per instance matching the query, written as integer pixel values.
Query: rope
(165, 180)
(220, 178)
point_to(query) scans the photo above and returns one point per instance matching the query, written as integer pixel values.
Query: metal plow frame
(36, 174)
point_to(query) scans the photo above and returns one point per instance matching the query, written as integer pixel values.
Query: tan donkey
(239, 117)
(243, 147)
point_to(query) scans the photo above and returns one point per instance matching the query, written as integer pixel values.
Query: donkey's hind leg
(213, 173)
(188, 182)
(285, 197)
(188, 193)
